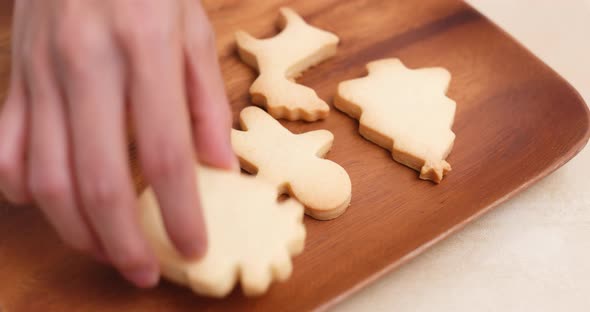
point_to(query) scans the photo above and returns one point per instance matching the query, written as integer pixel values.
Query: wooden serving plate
(517, 121)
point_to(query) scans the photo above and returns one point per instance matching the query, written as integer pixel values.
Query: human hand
(79, 69)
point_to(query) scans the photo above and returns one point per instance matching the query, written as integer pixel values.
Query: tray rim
(573, 151)
(557, 163)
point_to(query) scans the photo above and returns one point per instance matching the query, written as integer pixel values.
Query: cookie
(251, 235)
(293, 163)
(405, 111)
(280, 60)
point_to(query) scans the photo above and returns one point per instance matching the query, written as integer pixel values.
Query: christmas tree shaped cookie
(283, 58)
(251, 235)
(293, 163)
(405, 111)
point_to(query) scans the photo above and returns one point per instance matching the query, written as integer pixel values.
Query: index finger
(162, 128)
(207, 97)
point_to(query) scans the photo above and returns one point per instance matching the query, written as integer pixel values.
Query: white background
(533, 252)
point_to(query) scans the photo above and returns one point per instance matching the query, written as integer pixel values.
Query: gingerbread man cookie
(251, 235)
(283, 58)
(293, 163)
(405, 111)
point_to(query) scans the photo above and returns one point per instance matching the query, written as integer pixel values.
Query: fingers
(160, 115)
(13, 123)
(50, 176)
(207, 97)
(93, 84)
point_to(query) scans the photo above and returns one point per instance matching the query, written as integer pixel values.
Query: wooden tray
(517, 121)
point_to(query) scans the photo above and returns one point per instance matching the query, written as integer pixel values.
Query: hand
(79, 69)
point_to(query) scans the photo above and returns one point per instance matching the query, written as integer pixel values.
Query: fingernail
(235, 164)
(194, 251)
(197, 247)
(143, 278)
(232, 159)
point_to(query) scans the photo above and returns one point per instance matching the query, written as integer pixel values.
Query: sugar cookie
(405, 111)
(251, 235)
(292, 162)
(280, 60)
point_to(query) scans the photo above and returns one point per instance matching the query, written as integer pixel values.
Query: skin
(83, 73)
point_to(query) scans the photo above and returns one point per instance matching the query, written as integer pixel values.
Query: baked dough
(405, 111)
(283, 58)
(251, 235)
(293, 163)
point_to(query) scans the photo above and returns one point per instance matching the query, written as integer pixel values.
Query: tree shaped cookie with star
(405, 111)
(293, 163)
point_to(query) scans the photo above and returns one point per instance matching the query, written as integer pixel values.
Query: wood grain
(517, 121)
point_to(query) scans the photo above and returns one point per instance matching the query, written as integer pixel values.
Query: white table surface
(533, 252)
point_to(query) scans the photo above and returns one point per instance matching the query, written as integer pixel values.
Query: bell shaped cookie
(280, 60)
(405, 111)
(293, 163)
(251, 236)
